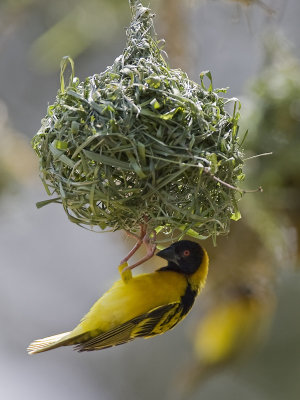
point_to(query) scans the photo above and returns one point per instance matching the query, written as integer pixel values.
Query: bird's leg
(137, 245)
(150, 246)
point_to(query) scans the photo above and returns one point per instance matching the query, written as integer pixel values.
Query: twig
(259, 189)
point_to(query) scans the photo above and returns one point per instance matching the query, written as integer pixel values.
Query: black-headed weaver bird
(142, 306)
(229, 331)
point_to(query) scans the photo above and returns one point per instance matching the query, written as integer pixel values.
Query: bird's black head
(183, 256)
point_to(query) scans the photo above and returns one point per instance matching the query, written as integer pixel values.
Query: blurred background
(242, 339)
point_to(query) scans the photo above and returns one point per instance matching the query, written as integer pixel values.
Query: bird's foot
(150, 246)
(138, 243)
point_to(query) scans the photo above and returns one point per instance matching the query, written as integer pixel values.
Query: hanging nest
(141, 142)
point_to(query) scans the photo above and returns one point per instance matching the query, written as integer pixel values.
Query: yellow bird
(143, 306)
(232, 327)
(228, 331)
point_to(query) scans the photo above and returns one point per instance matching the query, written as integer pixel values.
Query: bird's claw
(124, 268)
(150, 246)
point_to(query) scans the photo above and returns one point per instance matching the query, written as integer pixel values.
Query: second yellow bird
(145, 306)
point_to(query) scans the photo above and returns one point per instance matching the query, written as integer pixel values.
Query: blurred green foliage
(75, 29)
(276, 119)
(273, 118)
(67, 27)
(17, 166)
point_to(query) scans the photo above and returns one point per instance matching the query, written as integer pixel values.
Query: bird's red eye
(186, 253)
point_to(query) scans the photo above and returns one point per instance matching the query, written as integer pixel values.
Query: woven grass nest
(142, 142)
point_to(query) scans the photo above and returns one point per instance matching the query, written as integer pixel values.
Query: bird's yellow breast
(124, 301)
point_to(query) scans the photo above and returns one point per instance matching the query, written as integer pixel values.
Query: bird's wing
(154, 322)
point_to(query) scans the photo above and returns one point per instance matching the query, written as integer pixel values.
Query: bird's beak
(169, 255)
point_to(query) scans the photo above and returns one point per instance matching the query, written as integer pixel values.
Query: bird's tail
(48, 343)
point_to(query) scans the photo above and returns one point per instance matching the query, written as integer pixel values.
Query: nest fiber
(141, 142)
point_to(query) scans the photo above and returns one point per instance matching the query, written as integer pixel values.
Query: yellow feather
(125, 301)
